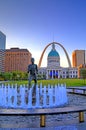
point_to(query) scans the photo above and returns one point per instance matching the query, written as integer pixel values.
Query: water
(23, 97)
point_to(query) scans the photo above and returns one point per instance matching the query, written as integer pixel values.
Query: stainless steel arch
(68, 59)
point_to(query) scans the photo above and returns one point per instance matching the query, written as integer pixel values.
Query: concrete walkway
(81, 126)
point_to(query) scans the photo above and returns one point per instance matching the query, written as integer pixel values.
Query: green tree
(7, 76)
(20, 75)
(1, 76)
(14, 73)
(83, 73)
(26, 75)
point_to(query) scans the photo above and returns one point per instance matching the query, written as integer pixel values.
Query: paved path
(68, 127)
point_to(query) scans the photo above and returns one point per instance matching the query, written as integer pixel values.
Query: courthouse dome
(53, 52)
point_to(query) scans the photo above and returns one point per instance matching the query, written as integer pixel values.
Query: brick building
(17, 59)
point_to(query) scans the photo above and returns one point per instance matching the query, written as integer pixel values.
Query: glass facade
(2, 51)
(2, 41)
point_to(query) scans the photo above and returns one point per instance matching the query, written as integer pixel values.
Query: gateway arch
(68, 59)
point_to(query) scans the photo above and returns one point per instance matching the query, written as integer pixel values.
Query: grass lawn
(68, 82)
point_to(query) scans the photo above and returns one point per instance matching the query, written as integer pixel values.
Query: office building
(2, 40)
(78, 58)
(2, 51)
(17, 59)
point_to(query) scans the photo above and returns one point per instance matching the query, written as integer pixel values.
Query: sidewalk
(81, 126)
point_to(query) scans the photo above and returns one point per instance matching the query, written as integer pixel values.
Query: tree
(14, 75)
(83, 73)
(1, 76)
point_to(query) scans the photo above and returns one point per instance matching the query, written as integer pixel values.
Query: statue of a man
(32, 70)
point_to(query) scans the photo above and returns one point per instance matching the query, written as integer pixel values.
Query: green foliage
(15, 75)
(7, 76)
(41, 76)
(83, 74)
(1, 76)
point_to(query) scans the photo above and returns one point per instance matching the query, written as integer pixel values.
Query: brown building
(78, 57)
(17, 59)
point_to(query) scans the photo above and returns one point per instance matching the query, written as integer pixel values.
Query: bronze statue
(32, 70)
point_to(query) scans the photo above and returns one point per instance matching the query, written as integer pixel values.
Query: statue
(32, 70)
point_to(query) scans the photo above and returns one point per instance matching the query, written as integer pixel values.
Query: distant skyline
(33, 24)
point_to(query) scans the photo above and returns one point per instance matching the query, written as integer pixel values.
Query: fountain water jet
(22, 97)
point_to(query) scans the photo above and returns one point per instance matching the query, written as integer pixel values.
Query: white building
(54, 70)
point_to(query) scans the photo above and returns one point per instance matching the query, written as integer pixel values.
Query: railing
(77, 90)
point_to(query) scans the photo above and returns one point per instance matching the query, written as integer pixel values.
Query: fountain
(22, 97)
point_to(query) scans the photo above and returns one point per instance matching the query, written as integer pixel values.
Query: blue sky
(32, 24)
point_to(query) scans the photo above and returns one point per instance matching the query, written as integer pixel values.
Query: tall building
(2, 51)
(78, 57)
(2, 40)
(17, 59)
